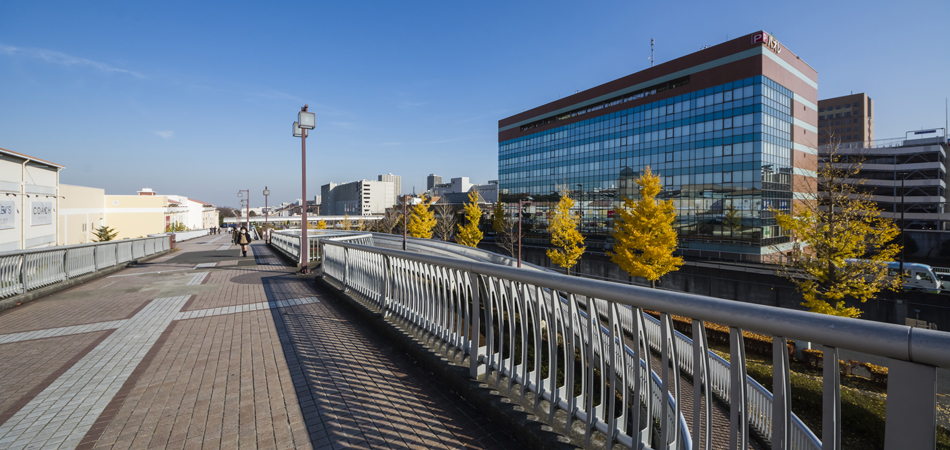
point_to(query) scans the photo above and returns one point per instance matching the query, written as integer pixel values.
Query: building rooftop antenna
(652, 42)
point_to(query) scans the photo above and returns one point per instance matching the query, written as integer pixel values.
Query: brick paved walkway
(202, 348)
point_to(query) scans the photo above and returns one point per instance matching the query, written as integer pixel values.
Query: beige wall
(82, 210)
(136, 216)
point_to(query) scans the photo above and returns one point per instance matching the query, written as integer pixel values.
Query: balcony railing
(514, 311)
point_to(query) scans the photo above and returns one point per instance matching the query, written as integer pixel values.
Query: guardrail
(288, 241)
(458, 300)
(186, 235)
(24, 270)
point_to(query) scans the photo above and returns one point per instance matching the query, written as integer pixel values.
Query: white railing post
(475, 331)
(66, 263)
(23, 271)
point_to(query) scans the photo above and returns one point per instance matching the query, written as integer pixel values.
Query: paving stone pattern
(215, 350)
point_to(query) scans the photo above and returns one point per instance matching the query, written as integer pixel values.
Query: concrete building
(357, 198)
(733, 126)
(922, 166)
(30, 201)
(849, 119)
(487, 192)
(396, 180)
(432, 180)
(456, 191)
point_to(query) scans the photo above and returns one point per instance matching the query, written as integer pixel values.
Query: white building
(357, 198)
(29, 203)
(397, 182)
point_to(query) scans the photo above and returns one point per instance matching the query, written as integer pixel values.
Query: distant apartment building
(396, 180)
(357, 198)
(848, 119)
(432, 180)
(908, 175)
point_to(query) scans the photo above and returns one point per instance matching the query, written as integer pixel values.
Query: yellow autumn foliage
(469, 234)
(565, 235)
(643, 232)
(421, 220)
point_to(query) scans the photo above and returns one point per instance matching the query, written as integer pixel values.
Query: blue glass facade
(722, 153)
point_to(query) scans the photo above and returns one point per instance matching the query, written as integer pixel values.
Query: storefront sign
(7, 215)
(769, 41)
(42, 213)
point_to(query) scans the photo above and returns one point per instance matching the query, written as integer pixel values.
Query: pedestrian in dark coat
(243, 239)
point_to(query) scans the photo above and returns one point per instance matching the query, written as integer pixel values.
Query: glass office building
(726, 154)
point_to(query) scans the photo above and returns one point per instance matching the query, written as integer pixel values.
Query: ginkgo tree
(644, 238)
(421, 220)
(321, 225)
(844, 244)
(468, 233)
(565, 236)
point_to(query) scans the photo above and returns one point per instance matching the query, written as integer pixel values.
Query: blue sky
(198, 98)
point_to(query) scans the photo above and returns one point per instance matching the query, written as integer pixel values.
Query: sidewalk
(202, 348)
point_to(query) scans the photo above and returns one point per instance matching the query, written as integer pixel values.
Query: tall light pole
(247, 215)
(266, 234)
(305, 121)
(521, 204)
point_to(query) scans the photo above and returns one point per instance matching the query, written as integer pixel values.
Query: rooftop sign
(767, 40)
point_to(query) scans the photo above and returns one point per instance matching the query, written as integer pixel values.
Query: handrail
(882, 339)
(24, 270)
(908, 389)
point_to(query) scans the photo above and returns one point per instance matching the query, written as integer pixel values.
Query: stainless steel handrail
(911, 384)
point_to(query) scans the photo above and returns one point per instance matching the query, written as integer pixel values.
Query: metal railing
(288, 241)
(521, 313)
(24, 270)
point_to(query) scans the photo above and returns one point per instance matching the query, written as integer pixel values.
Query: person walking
(243, 239)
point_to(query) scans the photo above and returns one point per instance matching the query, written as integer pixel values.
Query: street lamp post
(521, 204)
(247, 215)
(405, 221)
(266, 234)
(305, 121)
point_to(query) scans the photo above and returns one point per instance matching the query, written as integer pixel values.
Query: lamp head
(298, 132)
(306, 119)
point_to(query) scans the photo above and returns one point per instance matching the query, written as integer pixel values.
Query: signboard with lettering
(925, 131)
(767, 40)
(41, 213)
(7, 215)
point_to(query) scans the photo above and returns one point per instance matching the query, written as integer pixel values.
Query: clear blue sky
(197, 99)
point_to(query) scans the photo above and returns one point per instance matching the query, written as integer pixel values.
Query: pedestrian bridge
(201, 347)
